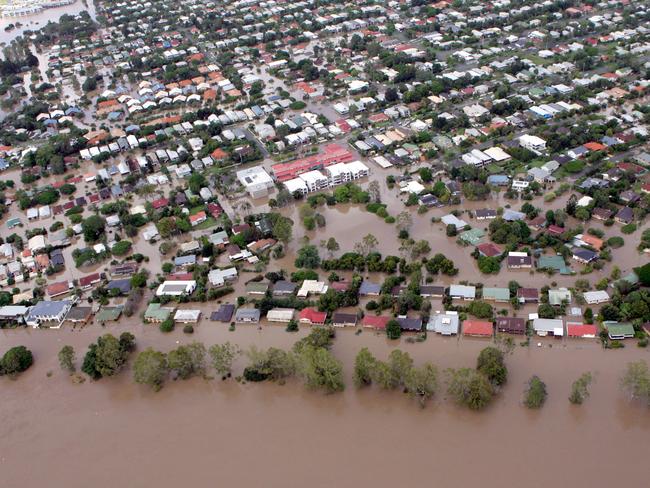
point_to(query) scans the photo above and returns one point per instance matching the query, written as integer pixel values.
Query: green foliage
(167, 325)
(223, 355)
(187, 360)
(320, 369)
(480, 309)
(108, 356)
(66, 358)
(636, 381)
(364, 366)
(16, 360)
(307, 257)
(491, 364)
(393, 329)
(319, 337)
(469, 388)
(489, 265)
(535, 394)
(122, 248)
(580, 389)
(93, 228)
(150, 368)
(629, 228)
(271, 364)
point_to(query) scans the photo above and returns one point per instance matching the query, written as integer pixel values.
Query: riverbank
(266, 434)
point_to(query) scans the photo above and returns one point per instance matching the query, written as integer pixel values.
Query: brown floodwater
(114, 432)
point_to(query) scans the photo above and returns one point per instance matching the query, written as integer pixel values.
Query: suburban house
(444, 323)
(284, 288)
(176, 288)
(79, 315)
(409, 324)
(247, 316)
(156, 313)
(595, 297)
(310, 287)
(619, 330)
(544, 327)
(48, 312)
(284, 315)
(462, 292)
(375, 321)
(511, 325)
(559, 296)
(341, 319)
(432, 291)
(224, 313)
(577, 329)
(312, 316)
(478, 328)
(528, 295)
(519, 260)
(187, 316)
(496, 294)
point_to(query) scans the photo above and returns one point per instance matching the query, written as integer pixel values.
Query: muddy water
(115, 432)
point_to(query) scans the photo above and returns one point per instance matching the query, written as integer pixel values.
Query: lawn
(210, 222)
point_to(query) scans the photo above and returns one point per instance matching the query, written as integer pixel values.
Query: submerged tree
(636, 381)
(364, 367)
(321, 370)
(223, 356)
(422, 383)
(535, 394)
(150, 368)
(490, 363)
(66, 358)
(470, 388)
(580, 389)
(187, 361)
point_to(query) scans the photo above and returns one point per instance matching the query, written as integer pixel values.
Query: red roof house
(374, 321)
(478, 328)
(312, 317)
(581, 330)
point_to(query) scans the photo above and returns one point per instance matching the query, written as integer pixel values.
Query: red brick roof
(313, 316)
(374, 321)
(477, 328)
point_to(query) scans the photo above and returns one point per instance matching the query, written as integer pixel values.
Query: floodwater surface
(116, 433)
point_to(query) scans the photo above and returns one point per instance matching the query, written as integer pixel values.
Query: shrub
(628, 229)
(616, 242)
(16, 360)
(167, 325)
(535, 394)
(188, 329)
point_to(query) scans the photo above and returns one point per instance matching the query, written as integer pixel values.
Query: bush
(393, 329)
(628, 229)
(121, 248)
(490, 363)
(470, 388)
(16, 360)
(580, 389)
(616, 242)
(188, 329)
(167, 325)
(535, 394)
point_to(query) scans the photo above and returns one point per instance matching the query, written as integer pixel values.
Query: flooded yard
(116, 432)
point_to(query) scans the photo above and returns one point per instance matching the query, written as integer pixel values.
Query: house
(368, 288)
(185, 261)
(257, 288)
(559, 296)
(485, 214)
(59, 289)
(489, 249)
(555, 263)
(198, 218)
(176, 288)
(224, 313)
(122, 287)
(602, 213)
(619, 330)
(156, 313)
(341, 319)
(280, 315)
(409, 324)
(283, 288)
(595, 297)
(478, 328)
(511, 325)
(48, 312)
(108, 314)
(576, 329)
(519, 260)
(87, 282)
(528, 295)
(13, 313)
(79, 315)
(584, 256)
(312, 317)
(219, 277)
(312, 287)
(462, 292)
(432, 291)
(377, 322)
(444, 323)
(187, 316)
(247, 316)
(544, 327)
(591, 241)
(624, 216)
(496, 294)
(256, 181)
(532, 143)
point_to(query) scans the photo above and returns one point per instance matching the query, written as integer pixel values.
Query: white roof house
(444, 323)
(175, 288)
(218, 277)
(256, 181)
(187, 316)
(497, 154)
(37, 243)
(451, 219)
(464, 292)
(594, 297)
(544, 327)
(280, 315)
(312, 287)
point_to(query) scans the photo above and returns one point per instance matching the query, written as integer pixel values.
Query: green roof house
(156, 313)
(496, 294)
(619, 330)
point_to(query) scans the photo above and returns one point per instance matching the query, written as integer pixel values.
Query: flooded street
(119, 433)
